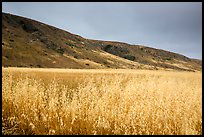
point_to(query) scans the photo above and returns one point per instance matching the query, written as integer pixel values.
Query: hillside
(28, 43)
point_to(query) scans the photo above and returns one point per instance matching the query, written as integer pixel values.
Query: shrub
(129, 57)
(39, 66)
(51, 46)
(27, 26)
(168, 58)
(60, 50)
(107, 47)
(70, 44)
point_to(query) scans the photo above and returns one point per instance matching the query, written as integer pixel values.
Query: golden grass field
(111, 101)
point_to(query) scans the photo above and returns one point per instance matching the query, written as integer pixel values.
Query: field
(111, 101)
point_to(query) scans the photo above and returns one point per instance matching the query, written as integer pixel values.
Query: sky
(171, 26)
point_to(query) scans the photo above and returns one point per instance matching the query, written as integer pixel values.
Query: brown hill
(28, 43)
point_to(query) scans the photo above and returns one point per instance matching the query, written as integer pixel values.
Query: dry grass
(56, 101)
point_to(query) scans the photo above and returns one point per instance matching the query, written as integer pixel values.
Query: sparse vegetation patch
(129, 57)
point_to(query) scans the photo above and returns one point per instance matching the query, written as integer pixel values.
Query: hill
(29, 43)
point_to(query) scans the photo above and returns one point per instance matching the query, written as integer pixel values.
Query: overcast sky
(175, 27)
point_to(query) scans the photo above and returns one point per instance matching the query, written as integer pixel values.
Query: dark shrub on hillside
(168, 58)
(70, 44)
(28, 26)
(108, 47)
(60, 50)
(118, 51)
(51, 45)
(129, 57)
(39, 66)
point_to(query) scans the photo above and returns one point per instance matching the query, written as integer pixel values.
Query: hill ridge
(24, 38)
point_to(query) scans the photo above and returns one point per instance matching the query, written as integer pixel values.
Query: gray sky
(175, 27)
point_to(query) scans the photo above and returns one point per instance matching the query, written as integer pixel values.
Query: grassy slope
(29, 43)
